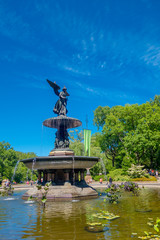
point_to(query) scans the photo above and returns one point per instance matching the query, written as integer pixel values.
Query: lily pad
(150, 224)
(95, 224)
(106, 215)
(134, 234)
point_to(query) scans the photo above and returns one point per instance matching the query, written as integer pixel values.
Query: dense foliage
(77, 145)
(8, 159)
(130, 134)
(136, 171)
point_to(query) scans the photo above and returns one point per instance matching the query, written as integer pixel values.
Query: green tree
(104, 165)
(76, 142)
(130, 134)
(112, 133)
(77, 145)
(143, 143)
(22, 172)
(8, 159)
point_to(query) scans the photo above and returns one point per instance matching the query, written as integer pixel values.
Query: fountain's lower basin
(66, 174)
(60, 162)
(67, 192)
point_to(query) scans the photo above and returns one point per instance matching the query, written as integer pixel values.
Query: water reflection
(67, 220)
(14, 217)
(61, 221)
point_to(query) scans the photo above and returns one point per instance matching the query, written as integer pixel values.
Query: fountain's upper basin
(62, 121)
(60, 162)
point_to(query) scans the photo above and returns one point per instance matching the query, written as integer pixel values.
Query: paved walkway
(21, 186)
(148, 184)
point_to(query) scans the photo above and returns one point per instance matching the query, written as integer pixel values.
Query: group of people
(30, 182)
(109, 180)
(7, 183)
(153, 172)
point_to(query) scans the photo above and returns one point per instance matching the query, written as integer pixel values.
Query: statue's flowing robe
(60, 106)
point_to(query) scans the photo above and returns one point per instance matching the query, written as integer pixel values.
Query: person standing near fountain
(60, 107)
(110, 182)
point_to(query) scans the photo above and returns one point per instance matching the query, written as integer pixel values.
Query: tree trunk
(113, 160)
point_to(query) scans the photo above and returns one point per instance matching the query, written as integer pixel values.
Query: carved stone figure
(60, 107)
(62, 140)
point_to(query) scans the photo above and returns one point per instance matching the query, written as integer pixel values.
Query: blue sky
(106, 52)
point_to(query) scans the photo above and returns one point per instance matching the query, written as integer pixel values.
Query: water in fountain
(41, 149)
(104, 169)
(73, 172)
(15, 170)
(27, 174)
(33, 163)
(29, 220)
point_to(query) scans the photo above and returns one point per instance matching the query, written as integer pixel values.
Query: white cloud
(152, 56)
(74, 70)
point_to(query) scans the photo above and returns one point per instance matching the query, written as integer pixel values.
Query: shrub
(97, 177)
(121, 178)
(118, 175)
(131, 187)
(142, 179)
(136, 171)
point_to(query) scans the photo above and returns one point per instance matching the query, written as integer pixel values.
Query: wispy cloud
(98, 50)
(107, 95)
(75, 71)
(152, 56)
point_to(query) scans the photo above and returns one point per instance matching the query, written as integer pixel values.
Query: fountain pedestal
(59, 152)
(64, 170)
(62, 123)
(66, 192)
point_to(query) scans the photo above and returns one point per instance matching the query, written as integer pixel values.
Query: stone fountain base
(66, 192)
(66, 173)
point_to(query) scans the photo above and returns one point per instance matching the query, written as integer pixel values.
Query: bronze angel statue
(60, 106)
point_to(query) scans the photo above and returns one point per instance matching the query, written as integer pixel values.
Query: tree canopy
(130, 133)
(8, 160)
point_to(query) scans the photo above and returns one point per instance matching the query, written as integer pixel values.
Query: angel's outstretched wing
(54, 86)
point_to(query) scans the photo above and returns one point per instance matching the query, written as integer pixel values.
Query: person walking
(110, 182)
(100, 180)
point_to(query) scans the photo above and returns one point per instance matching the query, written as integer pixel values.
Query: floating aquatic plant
(105, 215)
(131, 187)
(44, 192)
(7, 191)
(156, 228)
(30, 198)
(112, 193)
(97, 222)
(114, 190)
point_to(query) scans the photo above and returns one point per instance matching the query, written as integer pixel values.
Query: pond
(21, 219)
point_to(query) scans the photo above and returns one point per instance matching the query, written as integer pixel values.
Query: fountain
(62, 168)
(15, 171)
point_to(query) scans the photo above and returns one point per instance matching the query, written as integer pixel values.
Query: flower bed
(144, 179)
